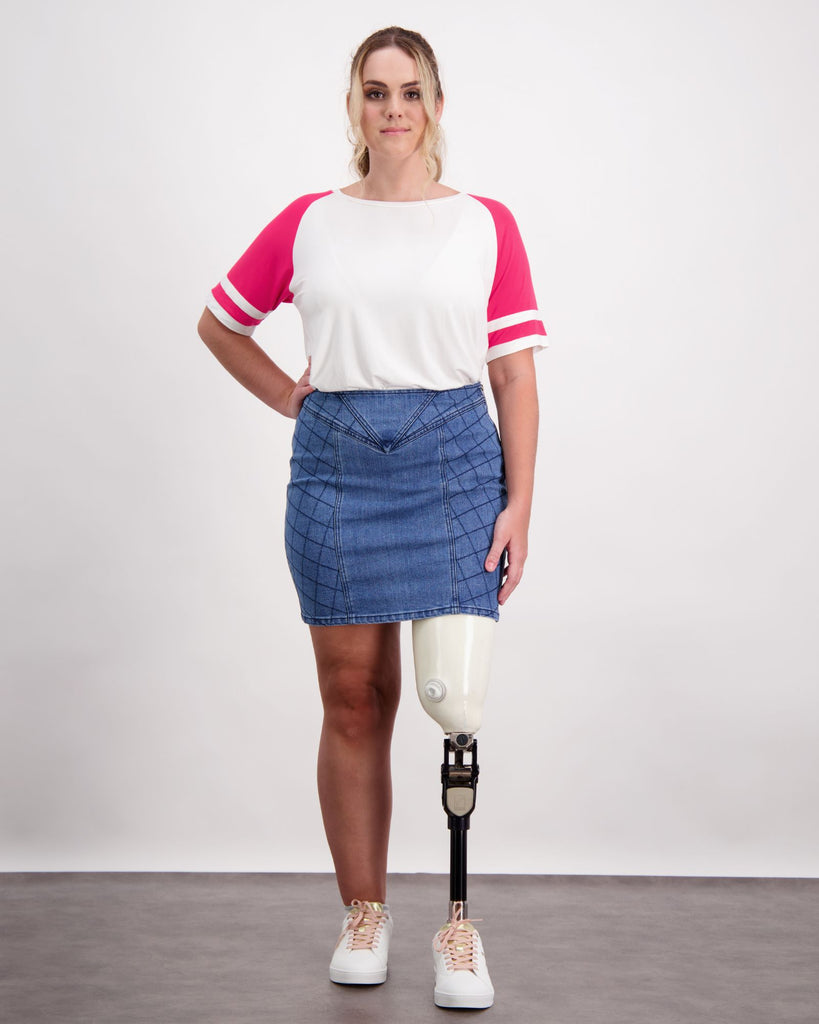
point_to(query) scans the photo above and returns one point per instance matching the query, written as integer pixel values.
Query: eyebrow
(384, 85)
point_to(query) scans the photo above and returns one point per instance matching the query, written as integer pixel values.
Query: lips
(394, 131)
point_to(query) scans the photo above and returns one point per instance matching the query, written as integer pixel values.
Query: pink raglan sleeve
(513, 319)
(260, 279)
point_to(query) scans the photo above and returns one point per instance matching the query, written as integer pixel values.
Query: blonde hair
(413, 44)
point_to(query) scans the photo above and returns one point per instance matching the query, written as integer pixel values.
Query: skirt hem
(426, 613)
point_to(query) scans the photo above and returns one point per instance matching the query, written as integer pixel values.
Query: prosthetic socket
(452, 657)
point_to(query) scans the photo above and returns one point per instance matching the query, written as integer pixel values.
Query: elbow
(204, 323)
(210, 330)
(214, 333)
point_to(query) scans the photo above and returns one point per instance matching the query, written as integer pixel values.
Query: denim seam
(436, 424)
(420, 613)
(402, 433)
(440, 421)
(365, 426)
(341, 428)
(453, 572)
(345, 587)
(396, 441)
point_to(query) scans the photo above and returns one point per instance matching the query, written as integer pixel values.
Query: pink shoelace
(364, 923)
(457, 942)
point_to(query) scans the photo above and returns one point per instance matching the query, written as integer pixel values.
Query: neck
(395, 182)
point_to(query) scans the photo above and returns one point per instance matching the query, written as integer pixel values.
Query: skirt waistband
(391, 418)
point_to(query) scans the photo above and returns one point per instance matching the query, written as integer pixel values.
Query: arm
(514, 387)
(253, 368)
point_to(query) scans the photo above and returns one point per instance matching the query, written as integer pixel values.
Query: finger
(495, 553)
(514, 574)
(506, 591)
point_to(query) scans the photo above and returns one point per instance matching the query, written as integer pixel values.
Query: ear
(439, 108)
(348, 104)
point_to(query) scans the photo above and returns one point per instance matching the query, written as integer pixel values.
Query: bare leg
(359, 674)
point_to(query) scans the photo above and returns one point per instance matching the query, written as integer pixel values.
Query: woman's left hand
(511, 533)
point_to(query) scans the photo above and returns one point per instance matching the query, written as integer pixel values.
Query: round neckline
(398, 202)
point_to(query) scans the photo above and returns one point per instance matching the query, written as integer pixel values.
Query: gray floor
(247, 949)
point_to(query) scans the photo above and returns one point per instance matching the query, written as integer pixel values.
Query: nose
(394, 107)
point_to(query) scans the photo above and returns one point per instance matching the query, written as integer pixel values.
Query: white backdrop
(654, 701)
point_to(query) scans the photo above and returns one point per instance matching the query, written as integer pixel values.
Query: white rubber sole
(462, 1002)
(358, 977)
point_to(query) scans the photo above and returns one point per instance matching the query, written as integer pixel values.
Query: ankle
(349, 906)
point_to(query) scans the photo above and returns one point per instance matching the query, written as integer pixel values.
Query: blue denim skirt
(391, 505)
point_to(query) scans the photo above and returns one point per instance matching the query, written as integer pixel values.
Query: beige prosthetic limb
(452, 659)
(452, 655)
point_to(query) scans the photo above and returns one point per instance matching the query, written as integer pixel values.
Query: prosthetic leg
(452, 656)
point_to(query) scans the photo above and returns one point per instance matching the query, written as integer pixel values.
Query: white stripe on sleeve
(241, 301)
(225, 318)
(512, 319)
(536, 342)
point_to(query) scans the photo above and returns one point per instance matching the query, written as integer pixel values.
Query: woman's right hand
(253, 367)
(299, 393)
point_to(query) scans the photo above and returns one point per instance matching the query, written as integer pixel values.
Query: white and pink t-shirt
(391, 294)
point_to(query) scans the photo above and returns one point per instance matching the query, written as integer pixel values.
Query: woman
(401, 502)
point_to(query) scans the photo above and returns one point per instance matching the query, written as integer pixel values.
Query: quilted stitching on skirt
(391, 505)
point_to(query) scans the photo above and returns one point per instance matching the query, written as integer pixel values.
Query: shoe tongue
(462, 926)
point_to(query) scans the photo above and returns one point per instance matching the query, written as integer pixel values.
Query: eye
(412, 94)
(374, 94)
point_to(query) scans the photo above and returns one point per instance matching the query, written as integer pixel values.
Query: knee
(358, 706)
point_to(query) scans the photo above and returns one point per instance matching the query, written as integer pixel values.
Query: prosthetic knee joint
(452, 655)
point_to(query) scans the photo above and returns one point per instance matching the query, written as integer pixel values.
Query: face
(393, 118)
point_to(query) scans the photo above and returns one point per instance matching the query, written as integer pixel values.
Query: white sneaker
(461, 977)
(360, 956)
